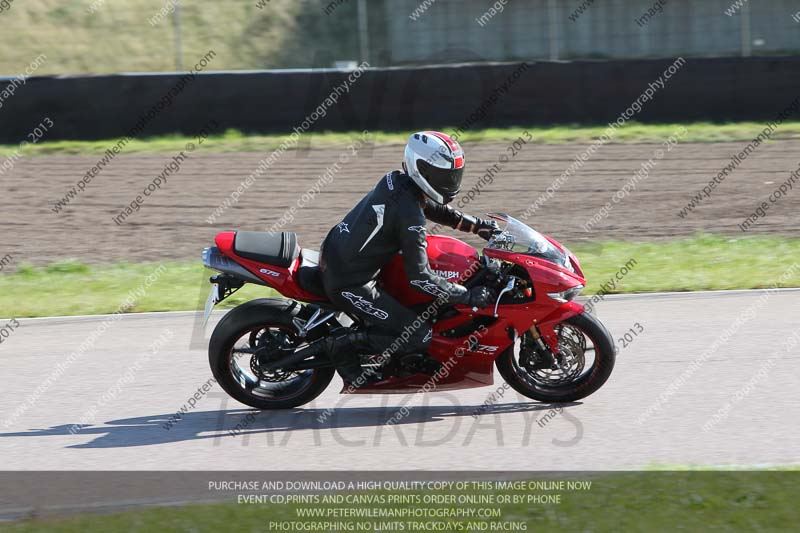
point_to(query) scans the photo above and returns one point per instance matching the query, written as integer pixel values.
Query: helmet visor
(446, 181)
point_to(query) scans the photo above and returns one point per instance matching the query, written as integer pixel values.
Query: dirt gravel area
(173, 222)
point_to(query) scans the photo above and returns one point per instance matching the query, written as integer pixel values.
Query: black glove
(480, 297)
(486, 228)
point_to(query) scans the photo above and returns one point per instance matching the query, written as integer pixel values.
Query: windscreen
(520, 238)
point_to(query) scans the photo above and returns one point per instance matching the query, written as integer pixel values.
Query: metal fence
(458, 30)
(108, 36)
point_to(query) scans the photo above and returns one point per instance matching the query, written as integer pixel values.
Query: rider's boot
(344, 352)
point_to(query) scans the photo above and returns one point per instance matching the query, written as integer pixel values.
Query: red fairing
(224, 242)
(546, 276)
(284, 280)
(450, 258)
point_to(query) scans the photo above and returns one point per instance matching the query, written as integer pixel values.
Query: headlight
(567, 295)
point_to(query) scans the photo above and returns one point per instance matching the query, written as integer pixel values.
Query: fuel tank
(450, 258)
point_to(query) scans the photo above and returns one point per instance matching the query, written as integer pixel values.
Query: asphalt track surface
(752, 369)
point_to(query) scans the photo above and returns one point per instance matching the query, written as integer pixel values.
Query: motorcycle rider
(391, 219)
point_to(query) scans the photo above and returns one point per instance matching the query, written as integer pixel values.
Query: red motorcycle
(544, 345)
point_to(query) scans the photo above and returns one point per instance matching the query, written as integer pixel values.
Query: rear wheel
(244, 338)
(584, 363)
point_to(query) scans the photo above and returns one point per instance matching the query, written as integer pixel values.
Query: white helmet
(436, 163)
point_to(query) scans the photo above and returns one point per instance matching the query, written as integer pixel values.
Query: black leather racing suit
(390, 219)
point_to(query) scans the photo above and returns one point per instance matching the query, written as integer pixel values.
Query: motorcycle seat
(309, 276)
(278, 249)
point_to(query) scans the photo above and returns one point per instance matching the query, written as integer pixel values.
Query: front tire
(252, 320)
(527, 384)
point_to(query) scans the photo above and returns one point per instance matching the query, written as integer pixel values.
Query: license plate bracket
(222, 287)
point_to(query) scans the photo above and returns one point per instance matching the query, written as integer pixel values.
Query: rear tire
(604, 353)
(256, 315)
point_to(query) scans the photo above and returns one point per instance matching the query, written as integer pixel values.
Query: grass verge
(235, 141)
(634, 501)
(702, 262)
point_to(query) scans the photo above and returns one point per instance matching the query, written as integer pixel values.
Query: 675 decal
(484, 348)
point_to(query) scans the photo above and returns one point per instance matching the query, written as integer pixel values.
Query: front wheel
(584, 363)
(253, 330)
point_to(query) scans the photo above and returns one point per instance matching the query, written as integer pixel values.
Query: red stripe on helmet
(459, 162)
(453, 145)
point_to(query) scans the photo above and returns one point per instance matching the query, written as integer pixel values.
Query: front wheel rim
(575, 346)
